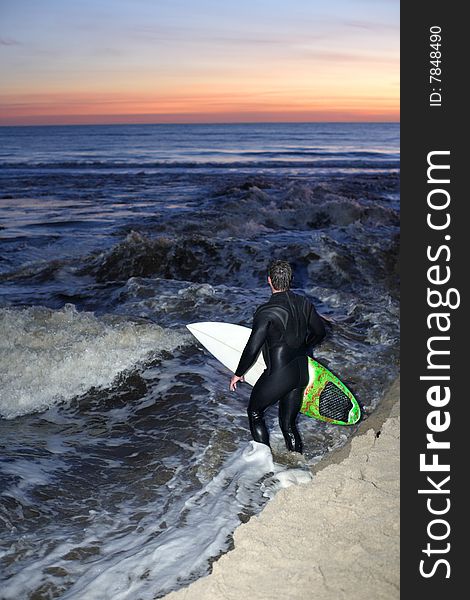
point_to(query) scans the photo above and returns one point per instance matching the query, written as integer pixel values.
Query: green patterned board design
(327, 398)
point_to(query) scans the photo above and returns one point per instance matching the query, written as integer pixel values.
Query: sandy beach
(334, 538)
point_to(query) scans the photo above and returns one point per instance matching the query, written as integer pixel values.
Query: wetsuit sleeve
(316, 329)
(254, 344)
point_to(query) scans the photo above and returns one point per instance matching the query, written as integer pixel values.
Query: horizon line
(200, 123)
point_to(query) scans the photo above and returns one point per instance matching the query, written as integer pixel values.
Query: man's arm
(254, 344)
(316, 329)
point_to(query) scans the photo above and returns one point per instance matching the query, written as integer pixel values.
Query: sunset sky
(198, 61)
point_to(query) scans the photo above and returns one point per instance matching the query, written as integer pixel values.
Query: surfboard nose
(226, 342)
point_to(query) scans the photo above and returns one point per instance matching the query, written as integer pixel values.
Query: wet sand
(336, 538)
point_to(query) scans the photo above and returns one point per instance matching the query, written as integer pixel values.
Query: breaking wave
(51, 356)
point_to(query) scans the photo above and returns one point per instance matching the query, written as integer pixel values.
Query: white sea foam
(50, 356)
(147, 562)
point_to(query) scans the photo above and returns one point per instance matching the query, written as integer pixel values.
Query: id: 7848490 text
(435, 70)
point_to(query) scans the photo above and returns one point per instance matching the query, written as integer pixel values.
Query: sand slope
(335, 538)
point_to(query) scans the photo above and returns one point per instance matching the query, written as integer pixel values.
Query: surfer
(286, 328)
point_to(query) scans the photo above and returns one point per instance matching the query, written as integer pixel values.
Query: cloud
(336, 57)
(200, 34)
(9, 42)
(371, 26)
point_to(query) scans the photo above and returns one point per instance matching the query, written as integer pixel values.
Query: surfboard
(326, 397)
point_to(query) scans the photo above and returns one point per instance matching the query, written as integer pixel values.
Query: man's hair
(280, 273)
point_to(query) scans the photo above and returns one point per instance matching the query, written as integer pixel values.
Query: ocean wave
(51, 356)
(327, 260)
(303, 206)
(336, 231)
(356, 162)
(299, 152)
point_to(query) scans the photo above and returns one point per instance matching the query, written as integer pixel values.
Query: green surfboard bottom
(326, 398)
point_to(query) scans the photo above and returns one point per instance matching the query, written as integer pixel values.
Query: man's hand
(233, 382)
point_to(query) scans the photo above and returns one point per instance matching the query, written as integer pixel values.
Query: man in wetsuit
(285, 328)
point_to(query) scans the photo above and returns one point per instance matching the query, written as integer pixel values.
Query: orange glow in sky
(155, 62)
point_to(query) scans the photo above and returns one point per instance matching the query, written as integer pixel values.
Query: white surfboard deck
(226, 342)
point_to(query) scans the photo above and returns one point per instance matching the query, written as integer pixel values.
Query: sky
(198, 61)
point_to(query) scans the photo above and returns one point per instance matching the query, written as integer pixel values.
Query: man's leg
(262, 396)
(289, 407)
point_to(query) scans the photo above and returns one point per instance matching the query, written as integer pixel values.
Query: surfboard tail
(327, 398)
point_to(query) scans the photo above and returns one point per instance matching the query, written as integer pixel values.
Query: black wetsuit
(285, 328)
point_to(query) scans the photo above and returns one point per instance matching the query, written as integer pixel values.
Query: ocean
(126, 463)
